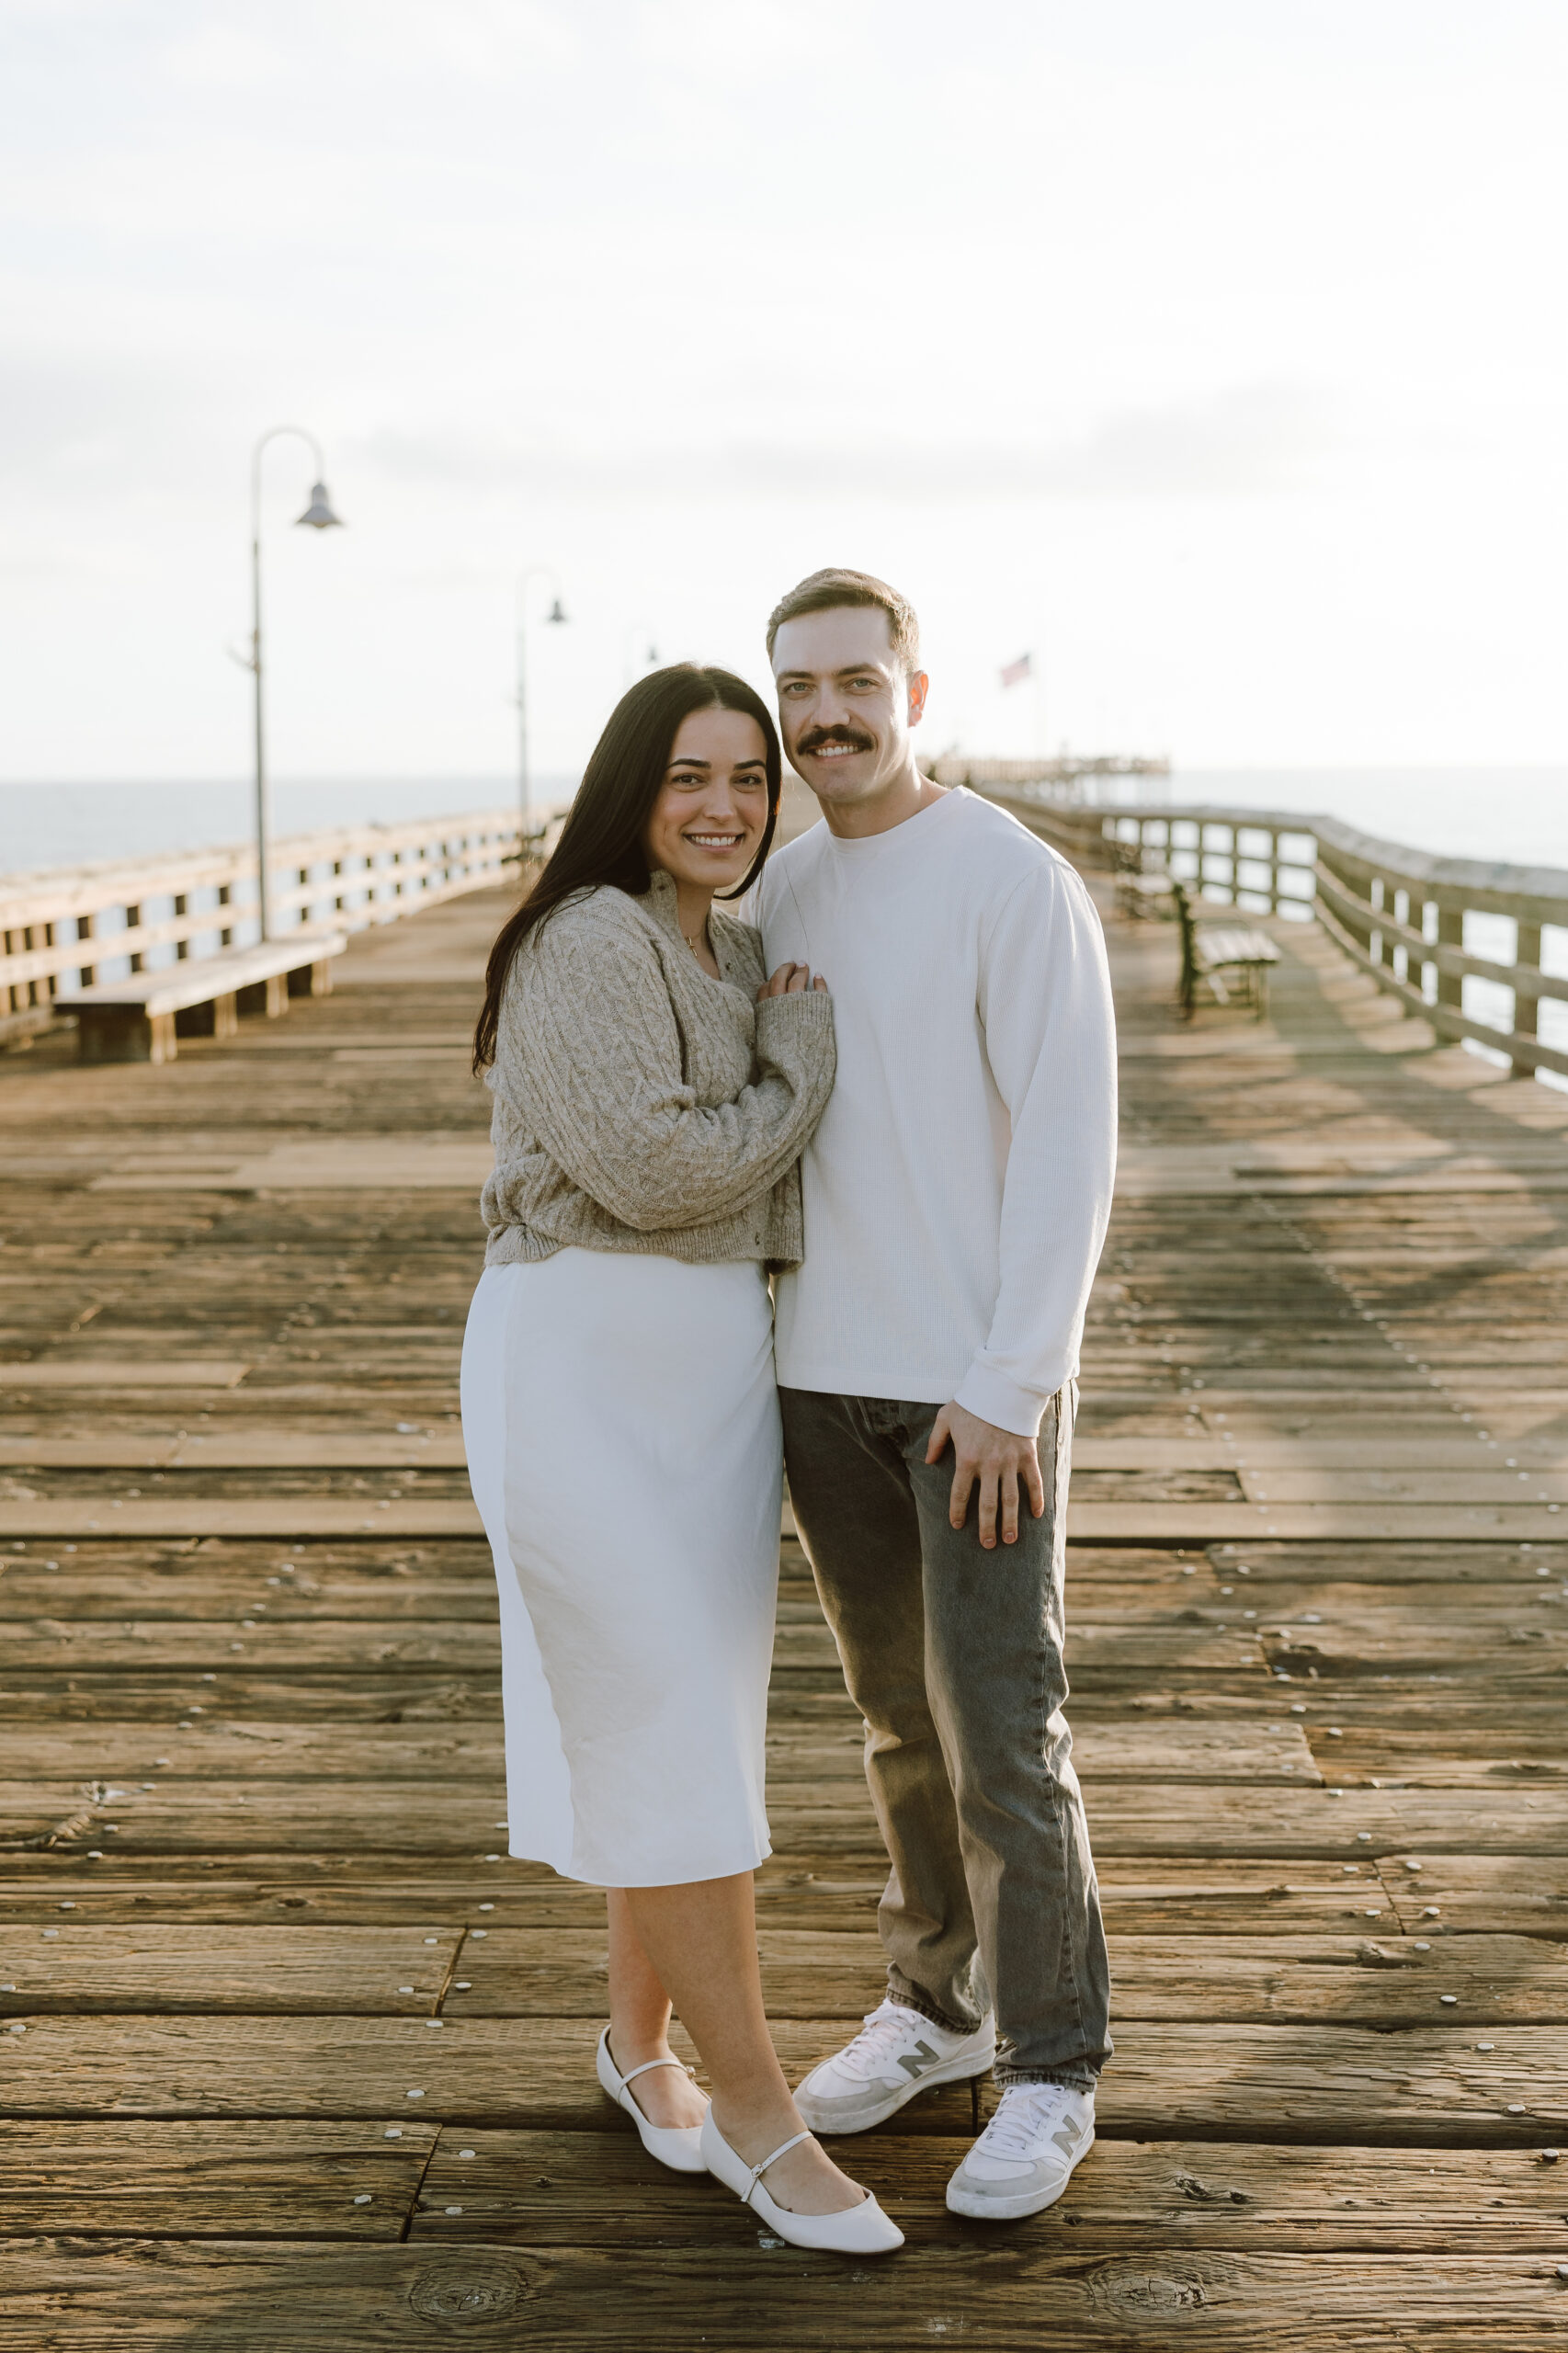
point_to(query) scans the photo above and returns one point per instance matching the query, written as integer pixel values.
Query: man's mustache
(818, 736)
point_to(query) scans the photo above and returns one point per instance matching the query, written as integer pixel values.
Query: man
(955, 1200)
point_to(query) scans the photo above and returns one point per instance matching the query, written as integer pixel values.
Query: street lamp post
(555, 617)
(319, 517)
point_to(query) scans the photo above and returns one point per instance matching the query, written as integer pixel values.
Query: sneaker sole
(1011, 2210)
(954, 2071)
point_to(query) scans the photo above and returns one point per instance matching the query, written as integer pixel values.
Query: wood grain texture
(238, 2296)
(581, 2189)
(250, 1732)
(202, 2179)
(1317, 2084)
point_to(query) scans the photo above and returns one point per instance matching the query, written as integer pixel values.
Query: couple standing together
(922, 1160)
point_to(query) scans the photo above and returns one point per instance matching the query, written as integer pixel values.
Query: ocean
(72, 824)
(1517, 814)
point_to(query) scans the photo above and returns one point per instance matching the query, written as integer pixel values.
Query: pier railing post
(1450, 934)
(1527, 1007)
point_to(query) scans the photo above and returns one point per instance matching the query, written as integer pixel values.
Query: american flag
(1017, 672)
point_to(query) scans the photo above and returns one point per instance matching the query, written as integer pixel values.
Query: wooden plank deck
(293, 2056)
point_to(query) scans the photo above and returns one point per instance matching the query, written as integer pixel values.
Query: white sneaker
(896, 2054)
(1024, 2159)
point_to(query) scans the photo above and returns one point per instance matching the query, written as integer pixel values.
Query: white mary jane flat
(679, 2146)
(857, 2230)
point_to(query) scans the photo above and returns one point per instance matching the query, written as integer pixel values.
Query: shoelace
(1027, 2111)
(884, 2031)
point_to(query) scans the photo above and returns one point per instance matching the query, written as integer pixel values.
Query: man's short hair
(822, 592)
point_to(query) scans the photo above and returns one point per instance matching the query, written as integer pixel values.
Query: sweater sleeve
(1049, 1025)
(609, 1096)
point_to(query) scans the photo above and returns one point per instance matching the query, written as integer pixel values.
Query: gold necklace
(696, 945)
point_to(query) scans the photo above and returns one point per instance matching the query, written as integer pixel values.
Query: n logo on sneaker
(1068, 2138)
(912, 2058)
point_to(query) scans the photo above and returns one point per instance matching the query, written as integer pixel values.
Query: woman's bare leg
(639, 2025)
(699, 1943)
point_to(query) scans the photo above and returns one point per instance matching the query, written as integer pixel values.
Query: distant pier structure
(1074, 777)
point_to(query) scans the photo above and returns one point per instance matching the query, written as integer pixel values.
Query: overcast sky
(1213, 350)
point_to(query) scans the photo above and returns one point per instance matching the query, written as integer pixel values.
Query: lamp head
(557, 611)
(319, 514)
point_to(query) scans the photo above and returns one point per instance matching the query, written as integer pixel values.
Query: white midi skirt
(623, 1445)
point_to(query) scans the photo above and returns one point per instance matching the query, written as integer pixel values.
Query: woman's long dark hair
(602, 838)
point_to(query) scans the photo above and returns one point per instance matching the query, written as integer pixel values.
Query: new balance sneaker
(896, 2054)
(1024, 2159)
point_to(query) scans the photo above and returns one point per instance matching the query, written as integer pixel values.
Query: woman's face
(712, 807)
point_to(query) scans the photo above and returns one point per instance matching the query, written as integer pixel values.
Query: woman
(652, 1095)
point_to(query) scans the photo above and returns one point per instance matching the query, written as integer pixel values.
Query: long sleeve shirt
(957, 1191)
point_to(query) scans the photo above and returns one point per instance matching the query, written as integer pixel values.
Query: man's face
(845, 705)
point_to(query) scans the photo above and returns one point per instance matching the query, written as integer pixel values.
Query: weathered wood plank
(1419, 1467)
(1318, 2084)
(1182, 1751)
(1467, 1892)
(75, 1965)
(98, 2297)
(60, 1516)
(199, 2179)
(1175, 1522)
(1381, 1977)
(274, 1449)
(1131, 1818)
(829, 1893)
(601, 2188)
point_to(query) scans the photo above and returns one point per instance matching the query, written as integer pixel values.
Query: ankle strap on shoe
(781, 2151)
(648, 2066)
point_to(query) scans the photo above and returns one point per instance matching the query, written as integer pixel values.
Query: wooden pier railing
(65, 929)
(1420, 924)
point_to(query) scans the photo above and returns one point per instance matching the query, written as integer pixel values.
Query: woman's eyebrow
(691, 764)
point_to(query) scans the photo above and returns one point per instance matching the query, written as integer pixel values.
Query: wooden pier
(291, 2056)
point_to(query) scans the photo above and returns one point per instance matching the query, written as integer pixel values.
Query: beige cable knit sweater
(642, 1105)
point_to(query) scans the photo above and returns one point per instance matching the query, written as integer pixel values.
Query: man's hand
(997, 1460)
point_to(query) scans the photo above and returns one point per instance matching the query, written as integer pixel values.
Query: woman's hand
(791, 979)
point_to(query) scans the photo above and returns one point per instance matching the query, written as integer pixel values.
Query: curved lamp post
(556, 616)
(319, 516)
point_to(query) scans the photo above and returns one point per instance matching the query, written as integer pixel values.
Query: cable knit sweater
(642, 1105)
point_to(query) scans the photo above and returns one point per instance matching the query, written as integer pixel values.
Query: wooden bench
(1139, 894)
(1210, 951)
(139, 1019)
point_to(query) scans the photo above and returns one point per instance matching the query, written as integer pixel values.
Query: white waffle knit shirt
(957, 1189)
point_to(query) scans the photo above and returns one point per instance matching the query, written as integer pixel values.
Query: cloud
(1249, 441)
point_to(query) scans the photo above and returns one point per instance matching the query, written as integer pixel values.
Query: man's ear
(917, 687)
